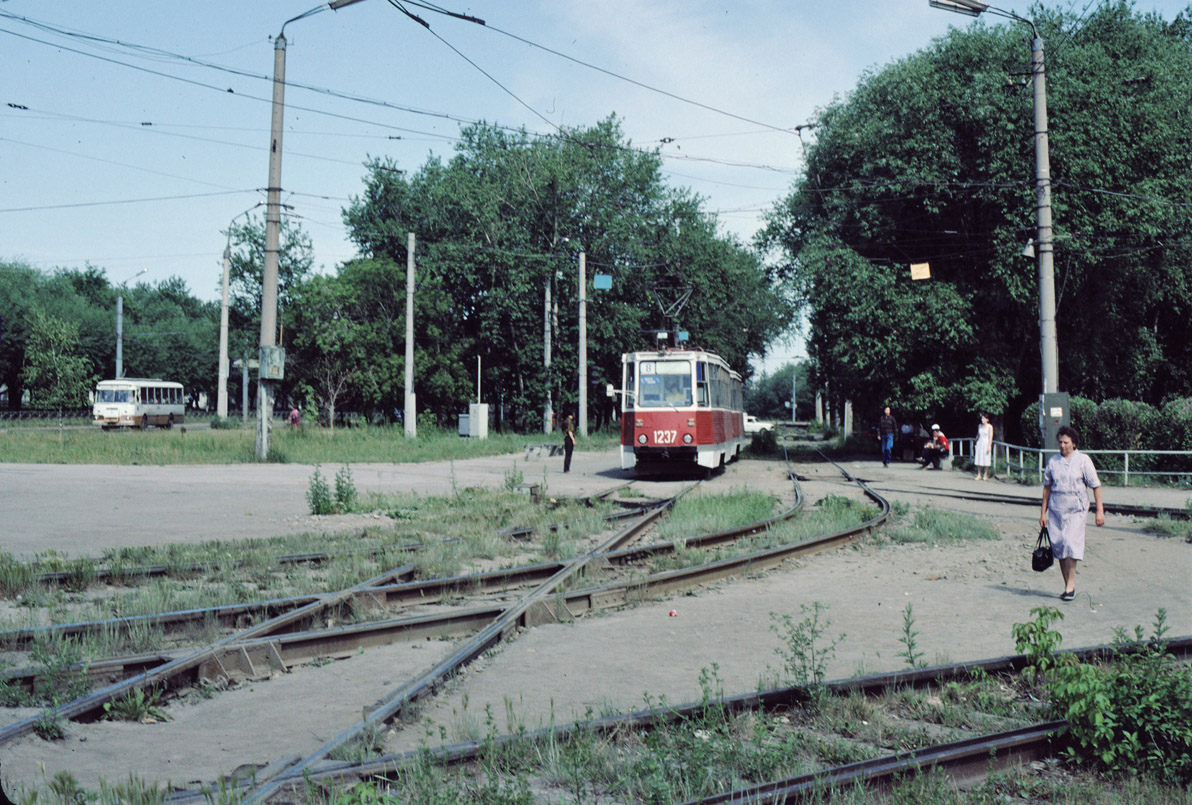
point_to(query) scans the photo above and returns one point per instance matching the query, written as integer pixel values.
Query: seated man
(935, 449)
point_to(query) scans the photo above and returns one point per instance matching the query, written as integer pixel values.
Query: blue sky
(158, 154)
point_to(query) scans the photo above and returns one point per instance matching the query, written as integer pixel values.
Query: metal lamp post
(120, 323)
(1044, 246)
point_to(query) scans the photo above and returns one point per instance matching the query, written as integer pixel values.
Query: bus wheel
(170, 422)
(144, 422)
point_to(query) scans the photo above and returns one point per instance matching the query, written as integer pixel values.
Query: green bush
(318, 494)
(1125, 425)
(1081, 412)
(1133, 716)
(345, 489)
(1175, 433)
(764, 443)
(224, 423)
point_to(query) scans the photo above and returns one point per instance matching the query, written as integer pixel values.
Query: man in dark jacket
(886, 428)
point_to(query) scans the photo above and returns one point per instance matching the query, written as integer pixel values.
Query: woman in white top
(983, 449)
(1066, 482)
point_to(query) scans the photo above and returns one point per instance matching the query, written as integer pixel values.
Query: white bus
(138, 402)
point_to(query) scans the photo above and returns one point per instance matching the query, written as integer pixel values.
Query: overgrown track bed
(965, 720)
(88, 571)
(1033, 500)
(263, 649)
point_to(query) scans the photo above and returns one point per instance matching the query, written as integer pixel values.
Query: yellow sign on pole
(920, 271)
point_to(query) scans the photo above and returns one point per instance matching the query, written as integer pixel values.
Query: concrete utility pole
(119, 335)
(265, 384)
(120, 324)
(272, 359)
(548, 412)
(794, 391)
(221, 406)
(1045, 246)
(410, 414)
(583, 345)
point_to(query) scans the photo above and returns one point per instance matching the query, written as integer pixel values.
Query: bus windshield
(113, 395)
(664, 384)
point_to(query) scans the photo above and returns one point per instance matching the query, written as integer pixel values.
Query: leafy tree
(168, 333)
(508, 215)
(56, 371)
(930, 160)
(328, 342)
(247, 272)
(769, 396)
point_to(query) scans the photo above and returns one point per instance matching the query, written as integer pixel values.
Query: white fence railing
(1035, 455)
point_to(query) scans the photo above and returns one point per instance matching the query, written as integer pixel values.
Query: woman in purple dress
(1066, 482)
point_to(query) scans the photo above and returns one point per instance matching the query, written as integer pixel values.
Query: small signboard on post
(920, 271)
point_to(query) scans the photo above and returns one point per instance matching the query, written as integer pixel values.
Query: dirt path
(965, 600)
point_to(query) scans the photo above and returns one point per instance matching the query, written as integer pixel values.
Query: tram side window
(701, 383)
(629, 386)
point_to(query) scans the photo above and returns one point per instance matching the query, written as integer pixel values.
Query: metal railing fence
(1114, 467)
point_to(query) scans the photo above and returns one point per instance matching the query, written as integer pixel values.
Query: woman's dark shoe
(1068, 596)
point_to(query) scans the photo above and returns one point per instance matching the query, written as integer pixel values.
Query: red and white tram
(682, 408)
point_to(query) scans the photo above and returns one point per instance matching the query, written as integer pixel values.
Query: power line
(619, 77)
(128, 201)
(339, 94)
(112, 162)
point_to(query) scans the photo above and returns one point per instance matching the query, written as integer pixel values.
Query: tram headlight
(641, 438)
(686, 438)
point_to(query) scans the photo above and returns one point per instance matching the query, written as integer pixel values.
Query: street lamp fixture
(969, 7)
(1043, 241)
(120, 323)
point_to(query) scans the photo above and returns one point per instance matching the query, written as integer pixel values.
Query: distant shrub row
(1126, 425)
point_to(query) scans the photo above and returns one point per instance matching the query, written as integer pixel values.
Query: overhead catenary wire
(343, 95)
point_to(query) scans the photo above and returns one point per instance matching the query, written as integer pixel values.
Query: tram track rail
(413, 592)
(967, 759)
(143, 572)
(263, 647)
(489, 624)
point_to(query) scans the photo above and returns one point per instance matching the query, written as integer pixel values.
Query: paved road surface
(81, 510)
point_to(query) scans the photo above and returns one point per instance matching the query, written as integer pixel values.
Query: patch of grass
(1165, 526)
(136, 705)
(705, 513)
(236, 445)
(930, 525)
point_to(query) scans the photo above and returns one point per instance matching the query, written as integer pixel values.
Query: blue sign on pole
(682, 335)
(602, 282)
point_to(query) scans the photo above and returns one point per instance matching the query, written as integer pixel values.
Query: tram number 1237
(665, 436)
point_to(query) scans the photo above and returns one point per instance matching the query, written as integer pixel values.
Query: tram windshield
(663, 384)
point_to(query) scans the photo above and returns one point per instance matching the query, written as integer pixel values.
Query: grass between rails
(715, 750)
(303, 445)
(443, 535)
(829, 515)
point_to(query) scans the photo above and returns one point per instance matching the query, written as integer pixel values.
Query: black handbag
(1042, 558)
